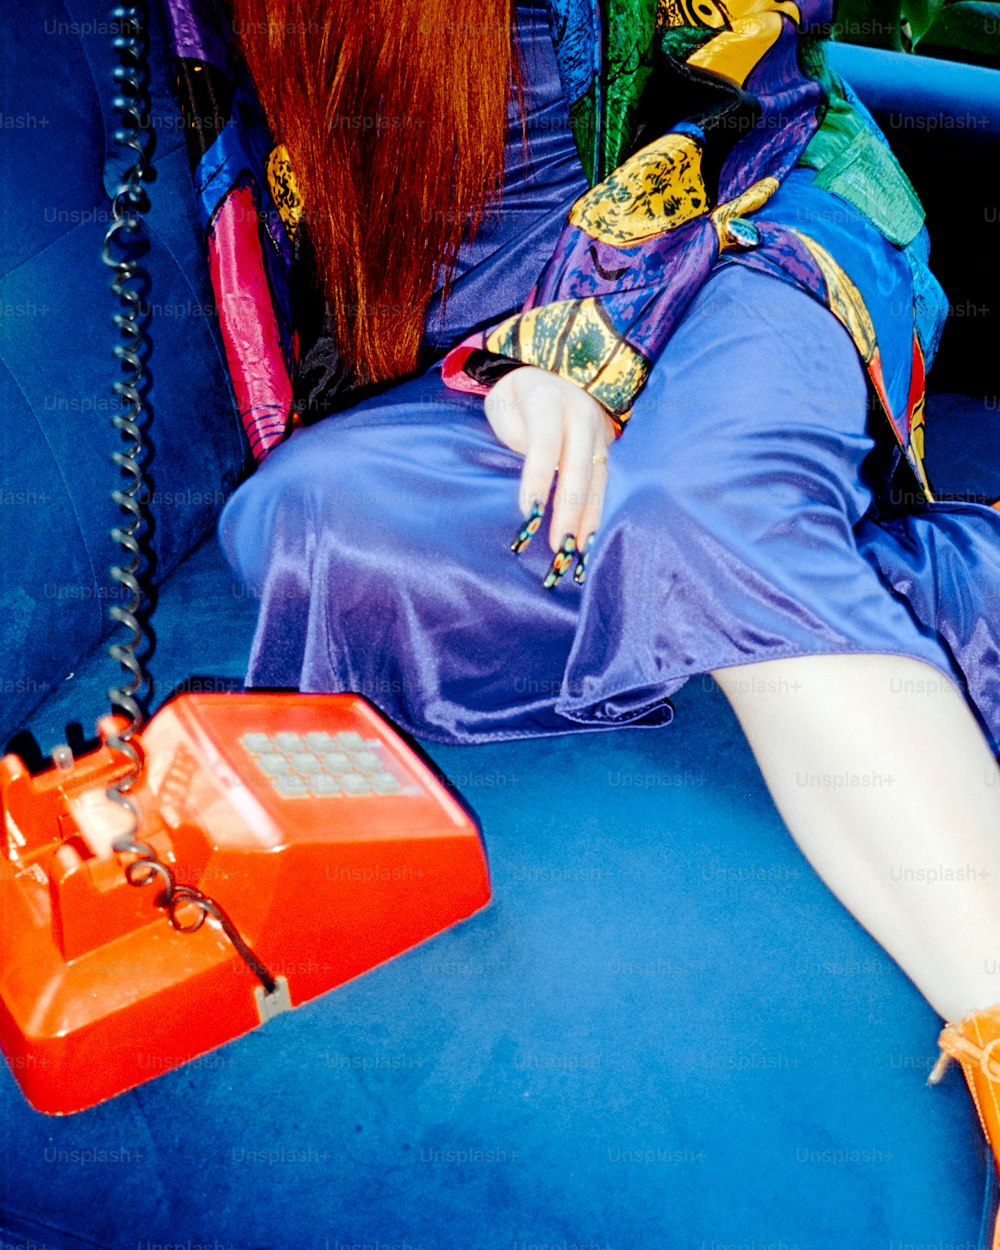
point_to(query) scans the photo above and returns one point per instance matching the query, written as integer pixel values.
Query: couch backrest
(58, 167)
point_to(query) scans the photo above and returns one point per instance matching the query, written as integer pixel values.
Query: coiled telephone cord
(129, 203)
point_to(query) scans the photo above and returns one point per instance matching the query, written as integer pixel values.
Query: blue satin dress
(378, 540)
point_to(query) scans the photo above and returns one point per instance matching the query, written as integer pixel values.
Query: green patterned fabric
(851, 162)
(629, 40)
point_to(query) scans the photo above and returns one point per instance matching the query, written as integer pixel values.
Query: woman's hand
(555, 424)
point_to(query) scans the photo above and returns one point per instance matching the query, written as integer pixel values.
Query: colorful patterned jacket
(710, 131)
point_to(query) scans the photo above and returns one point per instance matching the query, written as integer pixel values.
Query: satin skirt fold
(736, 528)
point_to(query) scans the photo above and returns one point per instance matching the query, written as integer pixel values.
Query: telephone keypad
(324, 765)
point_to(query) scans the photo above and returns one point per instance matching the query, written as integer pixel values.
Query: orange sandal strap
(955, 1046)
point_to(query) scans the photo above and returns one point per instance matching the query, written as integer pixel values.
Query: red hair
(394, 117)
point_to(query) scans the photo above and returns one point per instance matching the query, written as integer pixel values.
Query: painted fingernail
(560, 562)
(529, 527)
(580, 572)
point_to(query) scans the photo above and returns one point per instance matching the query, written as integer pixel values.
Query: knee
(260, 509)
(304, 487)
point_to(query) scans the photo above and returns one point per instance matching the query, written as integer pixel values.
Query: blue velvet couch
(663, 1033)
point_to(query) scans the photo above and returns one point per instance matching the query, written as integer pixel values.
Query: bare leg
(892, 793)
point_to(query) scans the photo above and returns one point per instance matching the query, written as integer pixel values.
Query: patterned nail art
(560, 562)
(580, 572)
(529, 527)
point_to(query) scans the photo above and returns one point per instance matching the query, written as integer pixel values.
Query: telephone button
(256, 743)
(290, 787)
(324, 786)
(354, 783)
(305, 763)
(274, 765)
(385, 783)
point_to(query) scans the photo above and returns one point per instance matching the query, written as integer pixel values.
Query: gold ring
(600, 457)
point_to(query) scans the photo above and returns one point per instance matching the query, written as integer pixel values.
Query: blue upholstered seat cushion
(663, 1032)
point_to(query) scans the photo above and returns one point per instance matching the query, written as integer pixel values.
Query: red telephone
(305, 818)
(302, 826)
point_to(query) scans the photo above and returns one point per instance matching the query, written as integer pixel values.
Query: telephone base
(329, 844)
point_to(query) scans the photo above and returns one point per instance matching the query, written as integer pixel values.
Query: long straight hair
(394, 118)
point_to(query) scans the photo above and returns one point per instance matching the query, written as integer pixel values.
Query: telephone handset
(292, 841)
